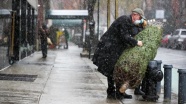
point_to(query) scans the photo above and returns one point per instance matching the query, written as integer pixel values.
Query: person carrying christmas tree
(118, 37)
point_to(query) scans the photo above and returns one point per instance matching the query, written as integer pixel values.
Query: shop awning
(33, 3)
(5, 13)
(66, 14)
(67, 22)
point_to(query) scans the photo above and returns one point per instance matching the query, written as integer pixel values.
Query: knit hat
(139, 11)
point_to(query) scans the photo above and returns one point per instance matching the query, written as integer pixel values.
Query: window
(183, 33)
(175, 33)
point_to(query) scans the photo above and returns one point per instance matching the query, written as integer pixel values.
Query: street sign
(160, 14)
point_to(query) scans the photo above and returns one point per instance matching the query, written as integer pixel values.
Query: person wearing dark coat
(43, 32)
(118, 37)
(66, 37)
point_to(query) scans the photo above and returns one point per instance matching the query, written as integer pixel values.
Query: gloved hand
(140, 43)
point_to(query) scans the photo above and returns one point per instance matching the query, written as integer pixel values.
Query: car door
(182, 36)
(175, 36)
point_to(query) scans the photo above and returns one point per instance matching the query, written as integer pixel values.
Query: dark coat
(113, 42)
(66, 35)
(43, 36)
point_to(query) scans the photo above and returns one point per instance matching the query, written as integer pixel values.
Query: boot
(127, 96)
(111, 93)
(138, 91)
(123, 95)
(111, 88)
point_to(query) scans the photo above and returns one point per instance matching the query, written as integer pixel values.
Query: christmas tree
(132, 64)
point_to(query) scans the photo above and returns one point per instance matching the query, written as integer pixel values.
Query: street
(63, 78)
(29, 74)
(177, 58)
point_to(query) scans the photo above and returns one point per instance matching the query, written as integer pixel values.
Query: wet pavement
(176, 58)
(62, 78)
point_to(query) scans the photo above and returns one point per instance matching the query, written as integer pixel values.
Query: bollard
(158, 87)
(182, 86)
(167, 82)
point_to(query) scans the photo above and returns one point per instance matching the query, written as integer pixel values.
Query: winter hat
(139, 11)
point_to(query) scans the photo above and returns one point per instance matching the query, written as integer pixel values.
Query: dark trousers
(66, 44)
(44, 47)
(111, 86)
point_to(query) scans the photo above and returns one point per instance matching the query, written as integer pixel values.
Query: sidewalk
(62, 78)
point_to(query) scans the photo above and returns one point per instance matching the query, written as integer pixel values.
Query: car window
(175, 33)
(168, 36)
(183, 33)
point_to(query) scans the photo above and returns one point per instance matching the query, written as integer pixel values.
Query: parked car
(165, 39)
(183, 46)
(176, 39)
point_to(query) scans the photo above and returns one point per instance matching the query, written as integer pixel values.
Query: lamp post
(108, 13)
(91, 24)
(116, 9)
(98, 22)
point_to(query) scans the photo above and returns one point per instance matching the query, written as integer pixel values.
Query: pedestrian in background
(43, 32)
(66, 37)
(118, 37)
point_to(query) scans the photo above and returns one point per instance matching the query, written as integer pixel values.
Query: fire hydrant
(149, 83)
